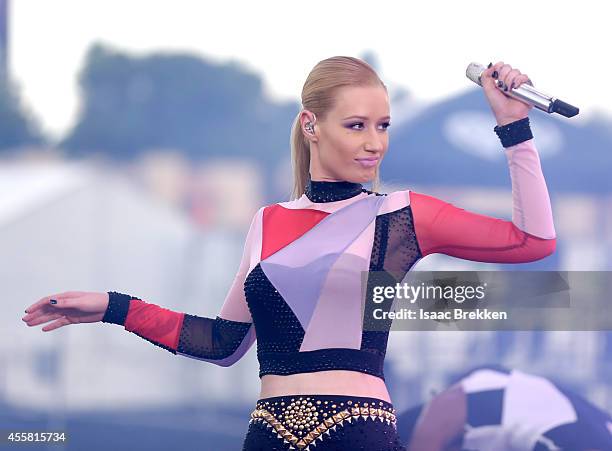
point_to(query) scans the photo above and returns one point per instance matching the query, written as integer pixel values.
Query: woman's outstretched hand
(72, 307)
(505, 109)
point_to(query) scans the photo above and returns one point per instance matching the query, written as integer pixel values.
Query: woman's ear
(307, 122)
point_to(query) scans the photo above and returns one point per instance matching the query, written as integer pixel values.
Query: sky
(424, 47)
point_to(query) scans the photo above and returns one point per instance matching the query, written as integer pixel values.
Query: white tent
(75, 226)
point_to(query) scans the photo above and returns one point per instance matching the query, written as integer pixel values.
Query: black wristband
(118, 306)
(514, 133)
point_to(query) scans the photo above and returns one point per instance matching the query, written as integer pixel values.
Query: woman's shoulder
(389, 201)
(395, 200)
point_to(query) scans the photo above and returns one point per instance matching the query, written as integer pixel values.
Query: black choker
(319, 191)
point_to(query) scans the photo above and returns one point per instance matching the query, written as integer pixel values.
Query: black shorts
(328, 422)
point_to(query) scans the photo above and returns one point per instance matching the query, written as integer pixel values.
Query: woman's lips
(367, 162)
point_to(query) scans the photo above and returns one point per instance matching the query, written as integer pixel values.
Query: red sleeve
(443, 228)
(219, 341)
(155, 323)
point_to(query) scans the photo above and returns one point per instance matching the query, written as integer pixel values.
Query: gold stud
(312, 435)
(344, 414)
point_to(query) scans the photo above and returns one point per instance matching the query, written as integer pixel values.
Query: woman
(299, 281)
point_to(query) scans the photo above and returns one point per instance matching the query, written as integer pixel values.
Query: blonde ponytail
(300, 159)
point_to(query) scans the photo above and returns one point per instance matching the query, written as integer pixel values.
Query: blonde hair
(318, 97)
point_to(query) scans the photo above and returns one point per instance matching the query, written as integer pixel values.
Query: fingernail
(506, 88)
(499, 83)
(489, 66)
(512, 85)
(494, 74)
(53, 301)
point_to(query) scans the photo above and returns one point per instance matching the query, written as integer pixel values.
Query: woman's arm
(441, 422)
(441, 227)
(222, 340)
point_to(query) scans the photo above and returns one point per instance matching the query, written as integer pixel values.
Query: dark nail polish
(489, 66)
(512, 85)
(506, 88)
(53, 301)
(495, 74)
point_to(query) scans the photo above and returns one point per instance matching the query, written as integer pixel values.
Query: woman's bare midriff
(335, 382)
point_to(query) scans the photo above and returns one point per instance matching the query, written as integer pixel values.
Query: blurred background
(137, 140)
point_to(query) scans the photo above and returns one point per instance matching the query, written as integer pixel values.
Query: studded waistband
(302, 419)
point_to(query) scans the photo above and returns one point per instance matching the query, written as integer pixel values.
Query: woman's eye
(359, 125)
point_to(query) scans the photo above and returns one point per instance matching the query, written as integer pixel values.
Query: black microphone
(526, 93)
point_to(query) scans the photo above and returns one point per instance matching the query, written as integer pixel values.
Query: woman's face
(350, 142)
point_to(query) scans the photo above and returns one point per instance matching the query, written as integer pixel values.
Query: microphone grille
(473, 72)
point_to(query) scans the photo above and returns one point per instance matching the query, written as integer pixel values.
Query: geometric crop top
(298, 287)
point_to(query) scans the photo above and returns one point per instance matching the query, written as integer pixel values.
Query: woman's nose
(374, 141)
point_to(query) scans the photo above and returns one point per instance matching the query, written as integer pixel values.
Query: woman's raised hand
(70, 307)
(505, 109)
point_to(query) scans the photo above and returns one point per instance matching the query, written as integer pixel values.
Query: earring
(309, 128)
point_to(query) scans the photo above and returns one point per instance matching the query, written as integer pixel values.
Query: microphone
(526, 93)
